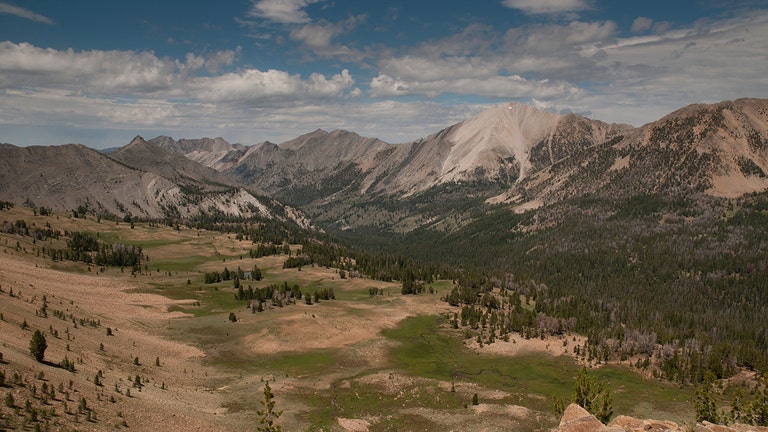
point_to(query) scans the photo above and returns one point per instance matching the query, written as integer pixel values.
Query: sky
(101, 72)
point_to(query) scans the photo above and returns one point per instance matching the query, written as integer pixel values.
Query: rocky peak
(500, 132)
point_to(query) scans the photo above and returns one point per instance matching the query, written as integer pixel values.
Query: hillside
(148, 157)
(215, 153)
(637, 251)
(720, 150)
(202, 355)
(139, 180)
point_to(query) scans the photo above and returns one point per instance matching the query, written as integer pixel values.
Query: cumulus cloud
(538, 7)
(282, 11)
(133, 74)
(216, 60)
(128, 89)
(508, 87)
(255, 87)
(319, 36)
(641, 24)
(541, 60)
(9, 9)
(90, 71)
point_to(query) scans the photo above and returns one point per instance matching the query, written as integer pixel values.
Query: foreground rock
(577, 419)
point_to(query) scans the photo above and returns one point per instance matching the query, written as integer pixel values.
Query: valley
(457, 282)
(358, 362)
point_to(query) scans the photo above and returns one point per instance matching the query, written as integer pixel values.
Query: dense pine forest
(677, 279)
(674, 282)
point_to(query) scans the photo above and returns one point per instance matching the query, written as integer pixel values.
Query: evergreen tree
(593, 396)
(706, 406)
(268, 414)
(38, 345)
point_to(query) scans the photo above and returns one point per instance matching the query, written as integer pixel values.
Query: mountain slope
(152, 158)
(718, 149)
(65, 177)
(215, 153)
(504, 143)
(75, 177)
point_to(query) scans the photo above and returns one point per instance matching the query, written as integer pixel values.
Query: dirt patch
(354, 425)
(518, 346)
(735, 185)
(338, 324)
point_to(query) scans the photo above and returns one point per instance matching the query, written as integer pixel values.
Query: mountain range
(139, 180)
(511, 154)
(659, 229)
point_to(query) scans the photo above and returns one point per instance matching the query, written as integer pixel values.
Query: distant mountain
(141, 180)
(307, 160)
(215, 153)
(510, 154)
(719, 150)
(152, 158)
(504, 143)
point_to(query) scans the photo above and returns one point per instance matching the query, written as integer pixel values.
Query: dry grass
(213, 370)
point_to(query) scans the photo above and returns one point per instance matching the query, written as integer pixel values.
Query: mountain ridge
(128, 185)
(510, 154)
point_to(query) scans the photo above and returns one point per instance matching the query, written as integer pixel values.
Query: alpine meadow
(315, 215)
(367, 290)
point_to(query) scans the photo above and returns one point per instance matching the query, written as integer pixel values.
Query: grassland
(356, 363)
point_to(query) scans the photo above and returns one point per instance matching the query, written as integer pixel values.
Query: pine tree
(38, 345)
(593, 396)
(268, 414)
(706, 406)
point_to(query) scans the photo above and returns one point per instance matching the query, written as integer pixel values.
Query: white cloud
(509, 87)
(92, 90)
(216, 60)
(10, 9)
(433, 69)
(193, 62)
(282, 11)
(56, 107)
(318, 36)
(538, 7)
(556, 39)
(86, 71)
(641, 24)
(542, 60)
(253, 87)
(649, 76)
(133, 74)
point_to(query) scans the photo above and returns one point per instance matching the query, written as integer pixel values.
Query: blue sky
(100, 72)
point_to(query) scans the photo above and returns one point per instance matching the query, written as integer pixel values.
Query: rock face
(577, 419)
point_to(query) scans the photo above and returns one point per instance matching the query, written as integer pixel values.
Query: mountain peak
(137, 140)
(505, 131)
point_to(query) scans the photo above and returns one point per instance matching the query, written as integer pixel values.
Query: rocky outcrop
(577, 419)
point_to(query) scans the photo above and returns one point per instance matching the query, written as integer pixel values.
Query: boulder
(577, 419)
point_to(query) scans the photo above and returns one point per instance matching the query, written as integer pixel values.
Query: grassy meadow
(358, 362)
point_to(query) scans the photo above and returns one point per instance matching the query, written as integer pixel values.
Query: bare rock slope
(504, 143)
(141, 180)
